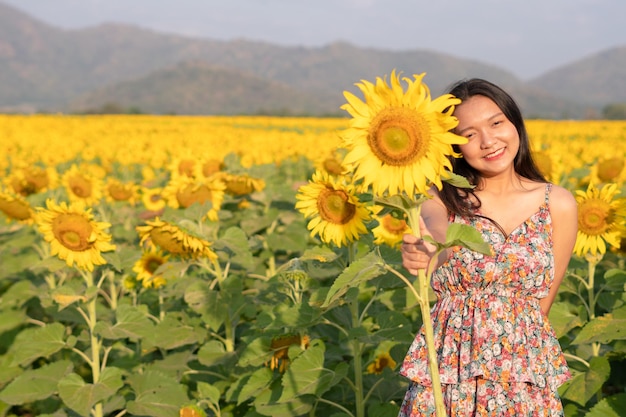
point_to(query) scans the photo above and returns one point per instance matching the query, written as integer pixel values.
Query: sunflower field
(220, 266)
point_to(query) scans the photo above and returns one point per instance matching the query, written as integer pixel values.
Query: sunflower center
(73, 231)
(80, 186)
(393, 225)
(398, 137)
(152, 264)
(334, 207)
(120, 192)
(192, 194)
(593, 217)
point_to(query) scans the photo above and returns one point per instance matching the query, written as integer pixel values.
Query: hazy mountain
(49, 69)
(598, 79)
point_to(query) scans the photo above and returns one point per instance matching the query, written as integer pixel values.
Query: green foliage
(279, 325)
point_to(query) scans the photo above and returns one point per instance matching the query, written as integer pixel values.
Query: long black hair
(457, 199)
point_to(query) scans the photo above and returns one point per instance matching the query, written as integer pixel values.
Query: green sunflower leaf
(156, 395)
(306, 373)
(584, 385)
(37, 342)
(81, 397)
(368, 267)
(36, 384)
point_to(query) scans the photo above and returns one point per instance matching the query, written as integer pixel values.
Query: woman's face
(493, 141)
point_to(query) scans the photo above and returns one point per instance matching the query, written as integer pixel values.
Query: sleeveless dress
(497, 352)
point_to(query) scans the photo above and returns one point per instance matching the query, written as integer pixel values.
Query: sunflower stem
(423, 278)
(93, 340)
(358, 363)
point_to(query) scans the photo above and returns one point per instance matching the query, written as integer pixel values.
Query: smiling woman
(498, 354)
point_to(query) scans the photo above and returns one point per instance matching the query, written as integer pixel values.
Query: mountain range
(123, 68)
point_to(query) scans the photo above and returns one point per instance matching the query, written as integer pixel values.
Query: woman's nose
(487, 141)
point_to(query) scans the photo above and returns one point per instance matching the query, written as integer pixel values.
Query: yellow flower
(152, 199)
(210, 166)
(146, 266)
(400, 141)
(390, 230)
(185, 191)
(336, 213)
(73, 234)
(15, 207)
(119, 191)
(174, 239)
(32, 179)
(609, 169)
(82, 186)
(601, 219)
(240, 184)
(382, 361)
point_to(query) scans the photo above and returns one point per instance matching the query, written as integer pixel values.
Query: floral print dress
(498, 354)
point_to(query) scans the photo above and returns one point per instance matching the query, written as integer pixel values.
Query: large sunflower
(73, 234)
(399, 140)
(601, 219)
(336, 213)
(175, 239)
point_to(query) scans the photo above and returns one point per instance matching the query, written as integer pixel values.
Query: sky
(526, 37)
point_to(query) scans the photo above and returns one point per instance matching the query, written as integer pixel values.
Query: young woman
(498, 354)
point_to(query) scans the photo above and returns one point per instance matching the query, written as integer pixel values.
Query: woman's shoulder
(561, 199)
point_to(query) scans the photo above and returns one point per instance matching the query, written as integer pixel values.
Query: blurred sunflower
(15, 207)
(332, 163)
(185, 165)
(175, 239)
(146, 266)
(73, 233)
(117, 190)
(185, 191)
(399, 141)
(82, 186)
(390, 230)
(335, 211)
(32, 179)
(211, 166)
(383, 360)
(152, 199)
(609, 170)
(240, 184)
(601, 219)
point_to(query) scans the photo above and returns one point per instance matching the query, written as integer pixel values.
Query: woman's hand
(417, 253)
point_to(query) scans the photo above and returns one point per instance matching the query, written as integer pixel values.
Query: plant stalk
(423, 280)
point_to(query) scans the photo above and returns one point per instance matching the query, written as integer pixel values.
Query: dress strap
(548, 189)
